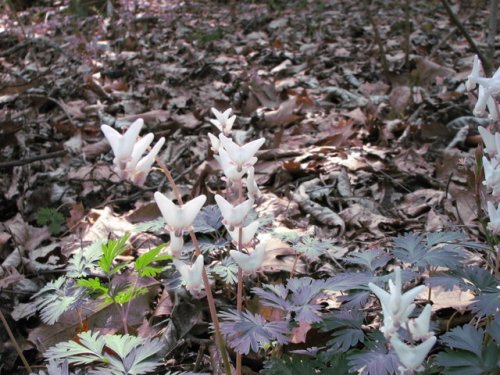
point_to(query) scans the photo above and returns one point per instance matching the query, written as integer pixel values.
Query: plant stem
(210, 297)
(14, 342)
(239, 294)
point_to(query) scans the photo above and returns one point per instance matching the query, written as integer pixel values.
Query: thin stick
(492, 29)
(378, 39)
(206, 283)
(50, 155)
(14, 342)
(407, 34)
(465, 34)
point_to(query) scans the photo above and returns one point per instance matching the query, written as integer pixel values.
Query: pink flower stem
(210, 298)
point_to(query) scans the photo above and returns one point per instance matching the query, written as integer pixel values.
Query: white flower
(492, 175)
(252, 187)
(143, 166)
(229, 168)
(474, 75)
(249, 263)
(484, 100)
(179, 218)
(396, 306)
(215, 143)
(176, 244)
(248, 233)
(224, 121)
(490, 141)
(412, 356)
(419, 327)
(242, 156)
(494, 214)
(139, 149)
(233, 216)
(123, 145)
(191, 275)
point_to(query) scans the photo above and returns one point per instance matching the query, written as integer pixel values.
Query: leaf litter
(351, 156)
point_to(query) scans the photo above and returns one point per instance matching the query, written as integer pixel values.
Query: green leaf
(227, 271)
(50, 217)
(110, 251)
(143, 263)
(124, 293)
(94, 285)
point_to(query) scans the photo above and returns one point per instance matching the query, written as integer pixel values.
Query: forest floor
(356, 153)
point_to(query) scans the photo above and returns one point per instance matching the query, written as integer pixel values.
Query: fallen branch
(466, 35)
(50, 155)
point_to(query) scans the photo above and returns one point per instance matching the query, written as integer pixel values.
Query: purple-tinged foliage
(245, 331)
(373, 362)
(470, 353)
(346, 329)
(296, 297)
(371, 259)
(349, 280)
(424, 251)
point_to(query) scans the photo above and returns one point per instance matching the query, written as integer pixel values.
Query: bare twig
(453, 17)
(14, 342)
(492, 29)
(50, 155)
(378, 39)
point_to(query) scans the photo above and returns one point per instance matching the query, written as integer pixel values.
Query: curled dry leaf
(323, 214)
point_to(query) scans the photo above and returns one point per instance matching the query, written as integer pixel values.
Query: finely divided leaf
(110, 251)
(371, 259)
(466, 337)
(227, 271)
(373, 362)
(143, 263)
(245, 331)
(87, 350)
(346, 329)
(414, 249)
(298, 297)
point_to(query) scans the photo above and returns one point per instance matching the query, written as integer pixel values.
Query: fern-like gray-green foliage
(84, 262)
(227, 271)
(57, 297)
(132, 354)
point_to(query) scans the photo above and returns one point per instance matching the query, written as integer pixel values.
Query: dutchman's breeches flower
(242, 156)
(249, 263)
(247, 235)
(192, 275)
(128, 152)
(224, 121)
(396, 307)
(179, 218)
(233, 215)
(488, 87)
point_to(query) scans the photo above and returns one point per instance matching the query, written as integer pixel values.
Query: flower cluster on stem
(396, 308)
(488, 87)
(129, 149)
